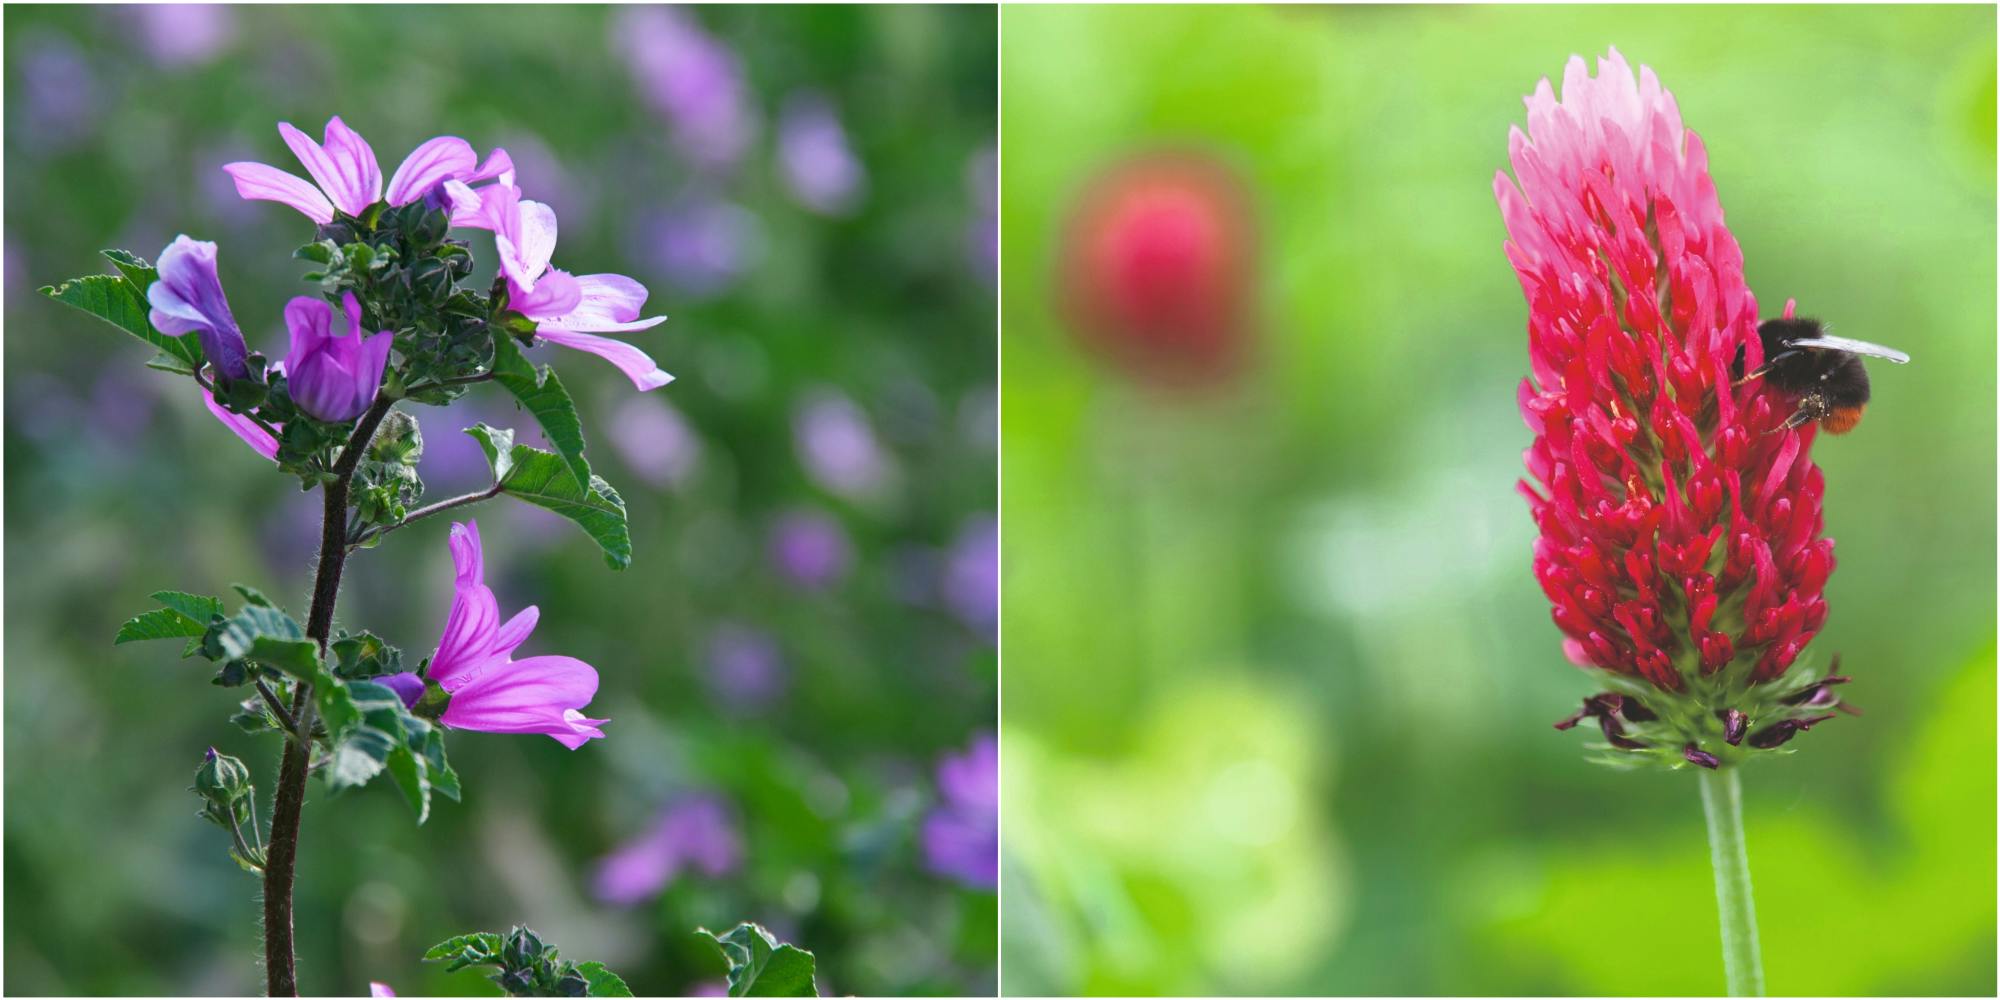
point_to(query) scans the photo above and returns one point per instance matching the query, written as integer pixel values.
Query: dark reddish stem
(280, 866)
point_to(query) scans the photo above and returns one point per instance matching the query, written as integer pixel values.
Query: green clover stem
(1722, 801)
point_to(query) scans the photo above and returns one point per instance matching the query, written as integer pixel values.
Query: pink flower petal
(243, 427)
(429, 165)
(635, 363)
(535, 695)
(263, 182)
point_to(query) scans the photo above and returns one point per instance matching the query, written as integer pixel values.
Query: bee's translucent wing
(1830, 343)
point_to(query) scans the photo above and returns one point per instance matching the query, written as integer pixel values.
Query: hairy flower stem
(1722, 801)
(280, 969)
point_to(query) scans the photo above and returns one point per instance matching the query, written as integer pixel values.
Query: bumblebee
(1821, 373)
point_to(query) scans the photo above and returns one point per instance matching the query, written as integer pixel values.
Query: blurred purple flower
(746, 672)
(809, 548)
(490, 690)
(188, 299)
(696, 832)
(971, 582)
(655, 441)
(702, 245)
(692, 78)
(188, 34)
(380, 990)
(961, 837)
(122, 404)
(553, 184)
(837, 445)
(712, 988)
(61, 105)
(982, 183)
(333, 377)
(819, 167)
(217, 190)
(453, 461)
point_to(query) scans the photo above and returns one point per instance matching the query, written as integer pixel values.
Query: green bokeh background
(113, 886)
(1279, 681)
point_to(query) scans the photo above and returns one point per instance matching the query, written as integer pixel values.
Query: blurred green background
(1279, 680)
(806, 630)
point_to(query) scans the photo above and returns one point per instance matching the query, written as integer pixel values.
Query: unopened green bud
(221, 779)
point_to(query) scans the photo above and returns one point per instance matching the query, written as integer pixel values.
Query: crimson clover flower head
(489, 690)
(1681, 541)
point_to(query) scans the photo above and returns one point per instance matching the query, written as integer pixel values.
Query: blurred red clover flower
(1157, 269)
(1681, 541)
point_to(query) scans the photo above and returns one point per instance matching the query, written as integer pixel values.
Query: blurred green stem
(1722, 801)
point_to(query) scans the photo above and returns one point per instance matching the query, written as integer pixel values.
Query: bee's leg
(1769, 363)
(1812, 407)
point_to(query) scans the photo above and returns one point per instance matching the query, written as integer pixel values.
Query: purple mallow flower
(350, 179)
(696, 833)
(809, 549)
(818, 166)
(188, 299)
(961, 837)
(490, 690)
(567, 309)
(333, 377)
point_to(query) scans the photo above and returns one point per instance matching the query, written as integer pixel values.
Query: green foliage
(120, 300)
(526, 966)
(761, 966)
(543, 394)
(370, 731)
(361, 655)
(544, 479)
(186, 616)
(266, 635)
(386, 484)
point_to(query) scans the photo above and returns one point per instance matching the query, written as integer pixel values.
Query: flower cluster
(1681, 540)
(389, 259)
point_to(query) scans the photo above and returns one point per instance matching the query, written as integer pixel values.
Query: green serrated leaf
(195, 606)
(466, 949)
(542, 479)
(160, 623)
(170, 364)
(498, 443)
(762, 966)
(361, 754)
(253, 595)
(603, 982)
(114, 299)
(544, 396)
(270, 637)
(407, 770)
(134, 268)
(443, 779)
